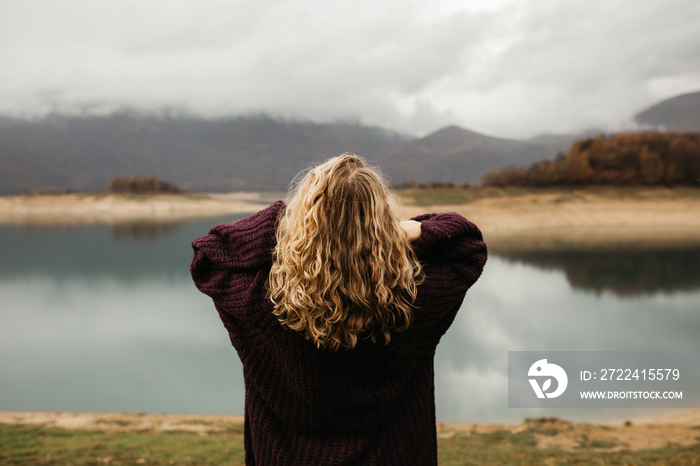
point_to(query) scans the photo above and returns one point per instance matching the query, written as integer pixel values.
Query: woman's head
(342, 267)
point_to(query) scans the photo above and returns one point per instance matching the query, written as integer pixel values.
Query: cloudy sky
(511, 68)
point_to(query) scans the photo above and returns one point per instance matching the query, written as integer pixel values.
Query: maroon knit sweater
(374, 404)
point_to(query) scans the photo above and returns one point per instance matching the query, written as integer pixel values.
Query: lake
(97, 318)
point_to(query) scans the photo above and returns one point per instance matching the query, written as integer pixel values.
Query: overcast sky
(510, 68)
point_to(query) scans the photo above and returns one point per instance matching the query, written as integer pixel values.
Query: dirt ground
(108, 209)
(574, 219)
(681, 429)
(582, 219)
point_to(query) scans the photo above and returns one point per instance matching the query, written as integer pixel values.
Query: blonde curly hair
(342, 266)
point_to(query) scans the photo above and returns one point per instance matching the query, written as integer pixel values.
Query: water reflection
(92, 322)
(95, 345)
(91, 251)
(515, 307)
(142, 230)
(624, 273)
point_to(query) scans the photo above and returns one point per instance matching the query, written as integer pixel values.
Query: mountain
(561, 142)
(84, 153)
(681, 113)
(455, 154)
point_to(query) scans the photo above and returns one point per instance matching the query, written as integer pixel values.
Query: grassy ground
(453, 196)
(456, 196)
(504, 447)
(38, 445)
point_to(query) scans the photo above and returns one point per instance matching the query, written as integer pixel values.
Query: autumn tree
(138, 184)
(647, 158)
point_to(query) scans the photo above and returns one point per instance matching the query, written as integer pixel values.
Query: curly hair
(342, 266)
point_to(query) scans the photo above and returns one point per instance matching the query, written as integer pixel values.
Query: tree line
(205, 155)
(141, 184)
(645, 158)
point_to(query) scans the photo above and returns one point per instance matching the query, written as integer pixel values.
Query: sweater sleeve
(452, 252)
(242, 247)
(449, 237)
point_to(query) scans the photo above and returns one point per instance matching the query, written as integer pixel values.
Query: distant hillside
(681, 113)
(229, 154)
(644, 158)
(562, 142)
(84, 153)
(454, 154)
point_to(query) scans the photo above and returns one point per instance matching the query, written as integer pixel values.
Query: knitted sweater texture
(372, 405)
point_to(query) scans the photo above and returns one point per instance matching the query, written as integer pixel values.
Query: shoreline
(110, 209)
(584, 219)
(679, 429)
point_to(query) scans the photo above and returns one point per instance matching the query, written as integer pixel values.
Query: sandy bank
(582, 219)
(679, 429)
(585, 219)
(107, 209)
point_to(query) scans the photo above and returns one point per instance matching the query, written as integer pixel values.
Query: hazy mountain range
(680, 114)
(84, 152)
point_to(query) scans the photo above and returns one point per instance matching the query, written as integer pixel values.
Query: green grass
(504, 447)
(32, 445)
(520, 449)
(36, 445)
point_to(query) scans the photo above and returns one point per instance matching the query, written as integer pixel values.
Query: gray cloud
(509, 67)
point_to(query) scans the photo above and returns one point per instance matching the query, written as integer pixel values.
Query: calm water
(100, 319)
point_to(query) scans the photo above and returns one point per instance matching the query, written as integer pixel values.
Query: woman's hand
(412, 229)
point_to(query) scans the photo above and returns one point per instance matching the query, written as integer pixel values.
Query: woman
(335, 309)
